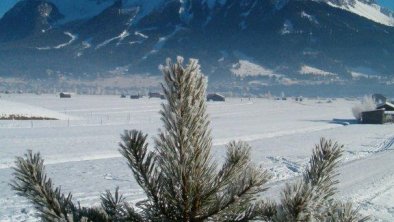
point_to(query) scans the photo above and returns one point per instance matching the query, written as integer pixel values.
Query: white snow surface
(119, 38)
(311, 18)
(246, 68)
(162, 41)
(72, 39)
(309, 70)
(141, 35)
(370, 11)
(8, 108)
(81, 155)
(60, 46)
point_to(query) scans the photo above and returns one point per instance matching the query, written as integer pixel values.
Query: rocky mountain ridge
(276, 40)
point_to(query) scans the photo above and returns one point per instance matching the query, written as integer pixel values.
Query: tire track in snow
(372, 188)
(374, 198)
(385, 145)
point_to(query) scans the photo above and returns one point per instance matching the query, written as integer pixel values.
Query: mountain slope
(28, 18)
(281, 38)
(367, 9)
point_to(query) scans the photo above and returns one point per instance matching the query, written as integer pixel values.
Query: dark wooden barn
(137, 96)
(156, 95)
(387, 106)
(65, 95)
(373, 117)
(216, 97)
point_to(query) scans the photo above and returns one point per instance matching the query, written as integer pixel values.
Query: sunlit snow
(82, 154)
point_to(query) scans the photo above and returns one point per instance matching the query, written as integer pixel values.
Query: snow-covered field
(23, 110)
(82, 156)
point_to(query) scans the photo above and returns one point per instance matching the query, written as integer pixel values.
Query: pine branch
(143, 165)
(265, 211)
(321, 172)
(237, 184)
(345, 212)
(31, 182)
(258, 211)
(310, 198)
(117, 209)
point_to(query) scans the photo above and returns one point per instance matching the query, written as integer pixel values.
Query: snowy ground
(81, 152)
(23, 110)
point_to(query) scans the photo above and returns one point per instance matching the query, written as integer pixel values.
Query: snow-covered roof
(215, 94)
(382, 105)
(386, 103)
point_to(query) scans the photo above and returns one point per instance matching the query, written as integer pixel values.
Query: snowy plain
(20, 109)
(81, 149)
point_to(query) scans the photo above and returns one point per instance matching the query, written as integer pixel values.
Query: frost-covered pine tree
(179, 178)
(182, 182)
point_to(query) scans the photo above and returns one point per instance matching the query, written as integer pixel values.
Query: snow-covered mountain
(366, 8)
(84, 9)
(280, 37)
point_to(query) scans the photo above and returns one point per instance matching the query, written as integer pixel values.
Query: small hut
(215, 97)
(373, 117)
(387, 106)
(137, 96)
(65, 95)
(156, 95)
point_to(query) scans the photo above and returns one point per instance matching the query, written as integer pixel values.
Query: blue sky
(5, 5)
(387, 3)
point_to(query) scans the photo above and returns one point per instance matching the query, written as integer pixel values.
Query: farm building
(299, 99)
(384, 113)
(156, 95)
(216, 97)
(65, 95)
(387, 106)
(373, 117)
(389, 116)
(137, 96)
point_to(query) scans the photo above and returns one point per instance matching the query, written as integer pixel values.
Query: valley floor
(81, 150)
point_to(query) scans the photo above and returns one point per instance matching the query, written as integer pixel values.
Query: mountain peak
(28, 17)
(366, 8)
